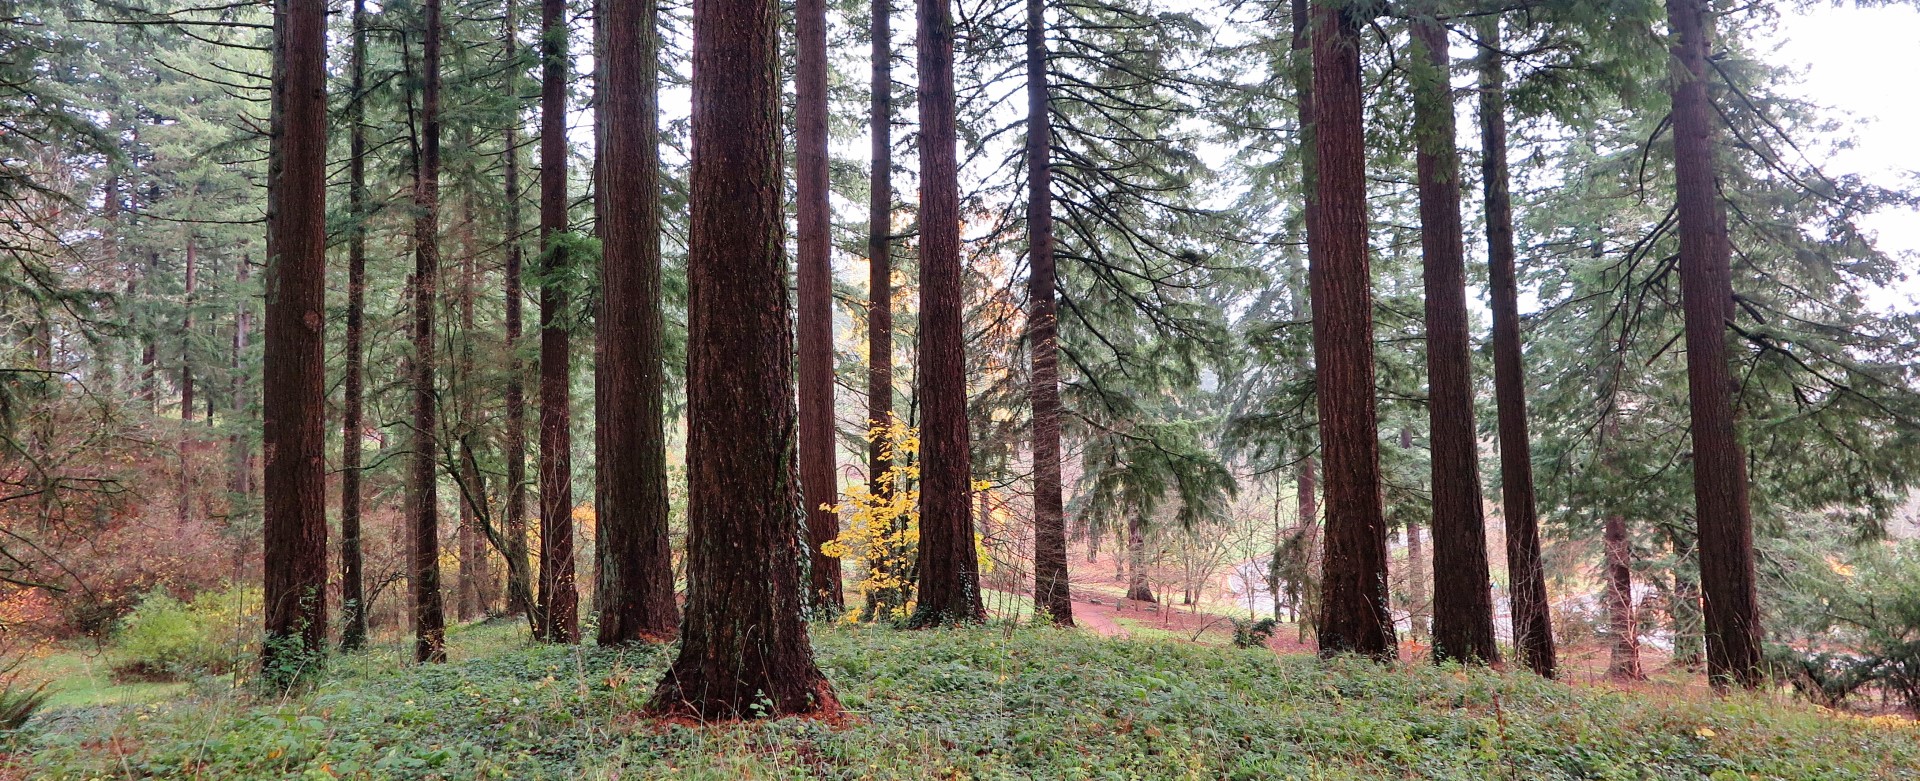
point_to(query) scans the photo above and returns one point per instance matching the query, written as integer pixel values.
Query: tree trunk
(744, 650)
(880, 248)
(1138, 588)
(519, 576)
(353, 600)
(1623, 664)
(1462, 601)
(636, 573)
(1706, 286)
(472, 493)
(1051, 589)
(1354, 615)
(818, 478)
(1527, 581)
(948, 565)
(558, 619)
(294, 376)
(186, 386)
(1306, 486)
(429, 618)
(239, 446)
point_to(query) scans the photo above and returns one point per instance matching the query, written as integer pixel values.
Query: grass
(990, 703)
(82, 679)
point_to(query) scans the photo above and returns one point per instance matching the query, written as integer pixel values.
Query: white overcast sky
(1860, 62)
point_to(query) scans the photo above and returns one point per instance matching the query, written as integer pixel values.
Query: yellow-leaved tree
(881, 529)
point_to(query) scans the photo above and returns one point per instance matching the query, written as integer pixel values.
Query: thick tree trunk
(948, 565)
(1706, 284)
(1137, 586)
(636, 573)
(819, 480)
(880, 247)
(1051, 590)
(1623, 661)
(519, 570)
(744, 650)
(1527, 581)
(558, 614)
(1354, 614)
(1462, 601)
(429, 617)
(353, 600)
(294, 377)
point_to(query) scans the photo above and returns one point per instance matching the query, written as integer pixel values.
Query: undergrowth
(991, 703)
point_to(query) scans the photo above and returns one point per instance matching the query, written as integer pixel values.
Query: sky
(1860, 62)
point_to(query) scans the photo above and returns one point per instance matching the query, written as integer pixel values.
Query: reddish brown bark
(519, 570)
(1052, 595)
(818, 478)
(948, 566)
(1706, 284)
(1527, 581)
(1354, 615)
(423, 511)
(294, 375)
(880, 245)
(744, 650)
(185, 510)
(558, 614)
(1306, 486)
(636, 599)
(1623, 660)
(1462, 600)
(1137, 586)
(353, 600)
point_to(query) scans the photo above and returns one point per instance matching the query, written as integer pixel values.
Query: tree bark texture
(1526, 576)
(519, 570)
(353, 600)
(744, 650)
(1623, 660)
(948, 565)
(636, 573)
(1354, 616)
(294, 377)
(1727, 585)
(1052, 594)
(558, 613)
(429, 617)
(819, 480)
(1462, 599)
(880, 246)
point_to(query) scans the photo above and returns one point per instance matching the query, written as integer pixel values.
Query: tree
(636, 598)
(1719, 468)
(557, 618)
(1462, 604)
(1051, 590)
(423, 507)
(1354, 615)
(817, 474)
(294, 379)
(353, 595)
(880, 247)
(744, 650)
(520, 598)
(1526, 576)
(948, 566)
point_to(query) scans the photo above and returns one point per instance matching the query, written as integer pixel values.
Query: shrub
(18, 701)
(1253, 634)
(166, 639)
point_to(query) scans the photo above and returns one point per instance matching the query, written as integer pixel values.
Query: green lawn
(990, 703)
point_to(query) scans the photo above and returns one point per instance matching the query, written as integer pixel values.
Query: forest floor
(997, 702)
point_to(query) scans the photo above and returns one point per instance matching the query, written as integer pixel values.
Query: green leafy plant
(1253, 634)
(166, 639)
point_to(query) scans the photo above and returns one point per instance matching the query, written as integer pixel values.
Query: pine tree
(423, 510)
(1051, 585)
(353, 595)
(818, 478)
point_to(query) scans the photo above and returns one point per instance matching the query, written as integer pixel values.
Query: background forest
(1390, 329)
